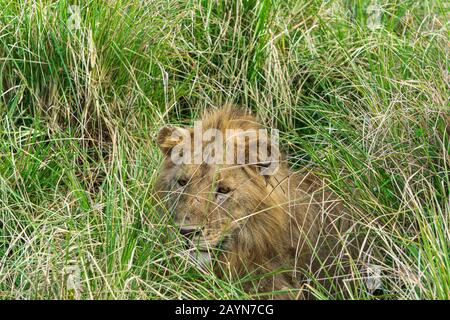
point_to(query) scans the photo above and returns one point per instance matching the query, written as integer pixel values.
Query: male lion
(250, 222)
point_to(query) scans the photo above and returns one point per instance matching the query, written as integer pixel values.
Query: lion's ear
(268, 156)
(168, 137)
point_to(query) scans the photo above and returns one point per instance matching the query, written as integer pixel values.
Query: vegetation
(358, 89)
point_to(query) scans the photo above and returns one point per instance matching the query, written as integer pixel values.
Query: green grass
(79, 109)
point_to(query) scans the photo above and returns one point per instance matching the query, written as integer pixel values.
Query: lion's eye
(182, 182)
(223, 190)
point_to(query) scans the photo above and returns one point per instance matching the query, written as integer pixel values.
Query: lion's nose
(189, 231)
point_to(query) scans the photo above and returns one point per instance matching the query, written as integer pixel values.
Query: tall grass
(81, 101)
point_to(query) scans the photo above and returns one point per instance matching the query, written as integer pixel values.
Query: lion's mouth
(201, 258)
(203, 255)
(206, 246)
(202, 252)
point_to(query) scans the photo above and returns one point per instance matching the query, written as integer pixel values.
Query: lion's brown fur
(285, 221)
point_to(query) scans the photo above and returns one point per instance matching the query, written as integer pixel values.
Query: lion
(247, 222)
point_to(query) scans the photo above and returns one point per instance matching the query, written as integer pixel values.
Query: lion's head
(219, 205)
